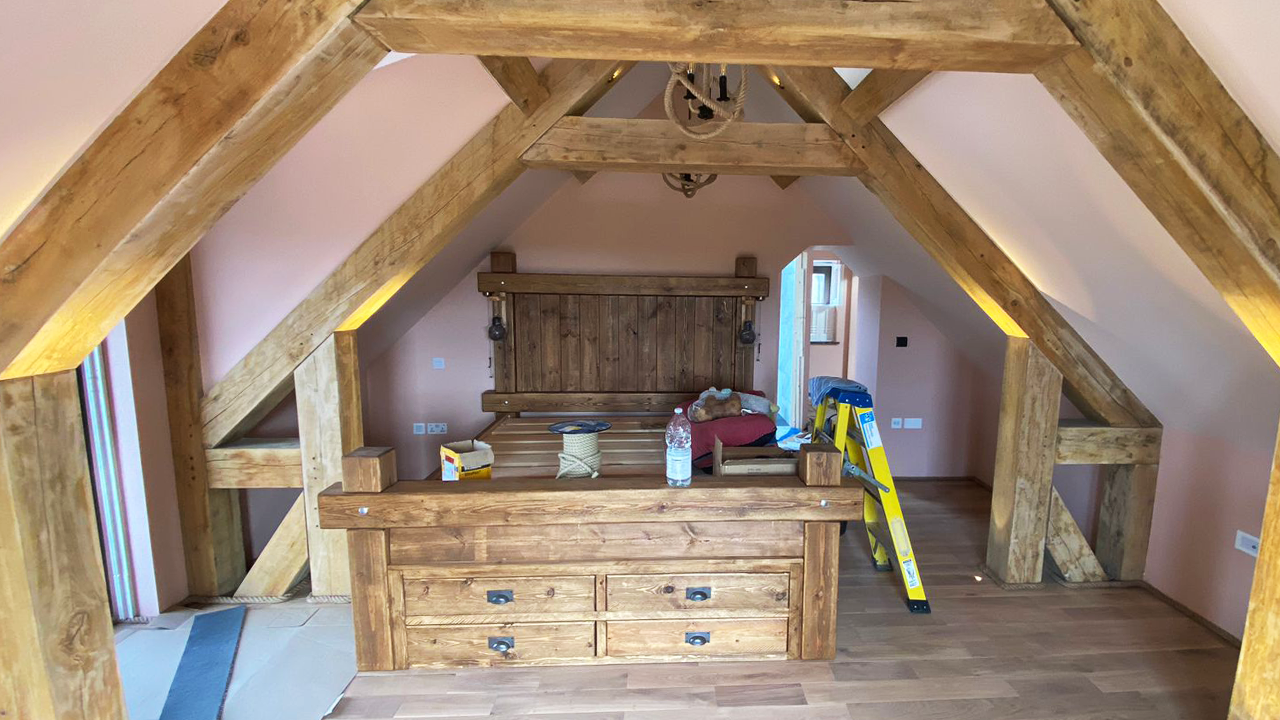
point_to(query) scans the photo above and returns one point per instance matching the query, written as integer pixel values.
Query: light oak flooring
(984, 654)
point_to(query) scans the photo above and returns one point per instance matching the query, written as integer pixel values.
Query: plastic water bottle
(679, 450)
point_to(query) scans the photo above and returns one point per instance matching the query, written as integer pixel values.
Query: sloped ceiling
(998, 143)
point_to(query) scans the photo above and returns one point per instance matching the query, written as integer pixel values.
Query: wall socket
(912, 423)
(419, 428)
(437, 428)
(437, 363)
(1246, 543)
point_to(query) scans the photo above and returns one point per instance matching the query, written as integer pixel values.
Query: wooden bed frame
(525, 569)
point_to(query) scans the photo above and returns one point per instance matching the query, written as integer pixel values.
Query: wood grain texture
(331, 424)
(1257, 685)
(284, 559)
(55, 622)
(254, 463)
(820, 464)
(414, 234)
(1068, 546)
(657, 146)
(965, 250)
(1092, 445)
(600, 541)
(583, 402)
(762, 593)
(233, 100)
(660, 285)
(665, 639)
(1023, 481)
(821, 583)
(877, 92)
(984, 653)
(212, 543)
(469, 595)
(1124, 520)
(999, 35)
(373, 610)
(1159, 114)
(469, 644)
(518, 79)
(539, 501)
(369, 469)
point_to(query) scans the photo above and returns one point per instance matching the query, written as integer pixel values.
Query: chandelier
(713, 115)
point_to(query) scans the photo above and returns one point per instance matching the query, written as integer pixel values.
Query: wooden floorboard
(984, 654)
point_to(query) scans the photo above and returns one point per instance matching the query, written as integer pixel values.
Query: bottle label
(679, 463)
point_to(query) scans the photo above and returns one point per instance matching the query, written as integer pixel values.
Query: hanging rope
(679, 72)
(581, 455)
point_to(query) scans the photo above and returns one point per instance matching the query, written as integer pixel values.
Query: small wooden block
(745, 266)
(820, 465)
(502, 262)
(369, 469)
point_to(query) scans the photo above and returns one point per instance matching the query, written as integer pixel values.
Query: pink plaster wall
(616, 223)
(145, 460)
(932, 380)
(1024, 171)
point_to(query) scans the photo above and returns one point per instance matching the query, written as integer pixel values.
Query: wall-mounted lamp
(747, 336)
(497, 331)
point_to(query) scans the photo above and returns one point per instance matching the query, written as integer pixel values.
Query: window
(824, 302)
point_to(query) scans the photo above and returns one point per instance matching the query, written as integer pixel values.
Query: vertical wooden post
(503, 351)
(59, 657)
(745, 359)
(1025, 450)
(820, 465)
(212, 541)
(330, 425)
(1257, 691)
(1124, 522)
(370, 469)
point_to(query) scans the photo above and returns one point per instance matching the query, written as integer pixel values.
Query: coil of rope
(727, 114)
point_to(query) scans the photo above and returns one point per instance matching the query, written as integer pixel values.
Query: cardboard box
(466, 460)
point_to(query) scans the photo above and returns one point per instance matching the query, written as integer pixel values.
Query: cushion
(737, 431)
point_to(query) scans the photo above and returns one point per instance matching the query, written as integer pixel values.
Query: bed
(525, 569)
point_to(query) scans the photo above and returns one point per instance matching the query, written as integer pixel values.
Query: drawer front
(498, 595)
(764, 592)
(498, 644)
(699, 638)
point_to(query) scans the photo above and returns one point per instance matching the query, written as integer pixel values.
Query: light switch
(437, 363)
(419, 428)
(896, 423)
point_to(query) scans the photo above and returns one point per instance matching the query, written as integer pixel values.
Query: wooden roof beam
(878, 91)
(964, 249)
(405, 242)
(994, 35)
(657, 146)
(518, 80)
(194, 139)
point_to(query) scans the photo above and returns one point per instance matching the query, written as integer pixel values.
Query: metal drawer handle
(500, 597)
(698, 594)
(502, 644)
(697, 638)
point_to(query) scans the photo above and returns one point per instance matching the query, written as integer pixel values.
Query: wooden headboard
(620, 342)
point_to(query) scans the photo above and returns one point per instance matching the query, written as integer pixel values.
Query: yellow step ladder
(857, 437)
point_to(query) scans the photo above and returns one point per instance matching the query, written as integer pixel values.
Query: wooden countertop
(619, 498)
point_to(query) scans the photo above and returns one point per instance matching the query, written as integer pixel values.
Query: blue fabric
(200, 684)
(842, 389)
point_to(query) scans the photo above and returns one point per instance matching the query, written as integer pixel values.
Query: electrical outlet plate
(1246, 543)
(437, 363)
(896, 423)
(419, 428)
(913, 423)
(437, 428)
